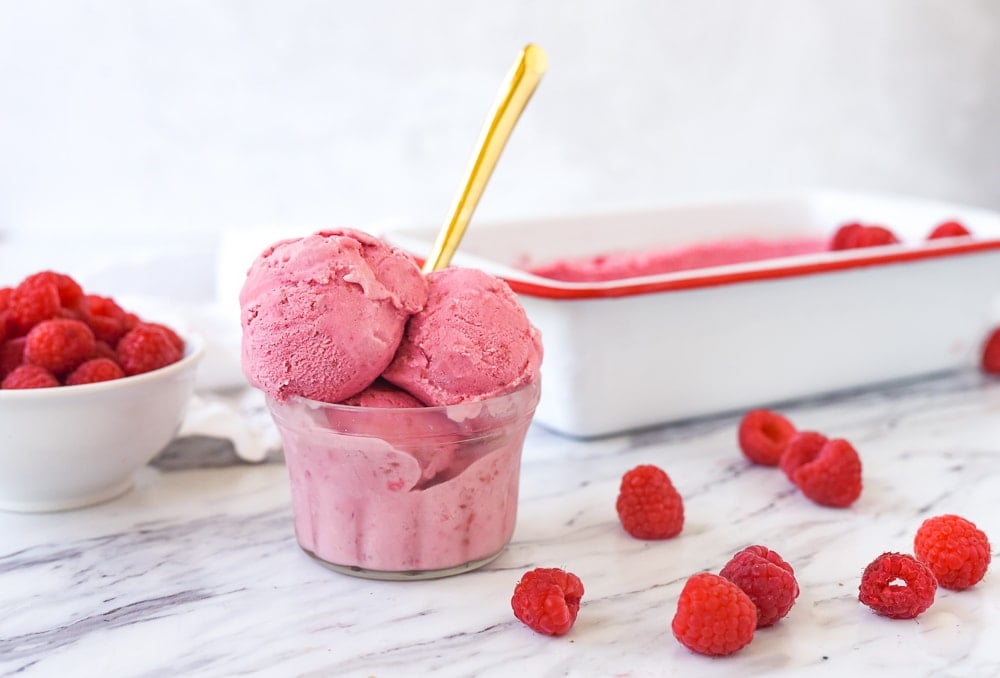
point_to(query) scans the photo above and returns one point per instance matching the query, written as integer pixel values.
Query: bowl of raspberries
(89, 393)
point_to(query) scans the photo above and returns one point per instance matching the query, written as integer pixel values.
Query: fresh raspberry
(5, 293)
(880, 591)
(3, 326)
(70, 293)
(802, 447)
(93, 371)
(767, 579)
(59, 345)
(844, 236)
(103, 350)
(991, 353)
(175, 338)
(833, 477)
(955, 550)
(949, 229)
(144, 349)
(873, 236)
(105, 317)
(547, 599)
(855, 235)
(763, 435)
(12, 355)
(34, 300)
(649, 507)
(714, 616)
(29, 376)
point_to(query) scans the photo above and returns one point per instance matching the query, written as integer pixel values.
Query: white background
(175, 122)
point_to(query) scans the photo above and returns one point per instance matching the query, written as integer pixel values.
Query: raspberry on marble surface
(714, 616)
(833, 477)
(767, 579)
(547, 600)
(763, 435)
(897, 586)
(648, 504)
(956, 551)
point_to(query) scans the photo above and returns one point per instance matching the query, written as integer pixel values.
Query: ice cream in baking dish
(402, 400)
(621, 265)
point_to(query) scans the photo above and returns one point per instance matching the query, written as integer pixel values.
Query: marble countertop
(196, 570)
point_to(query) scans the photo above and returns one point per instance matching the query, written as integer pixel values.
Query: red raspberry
(855, 235)
(991, 353)
(93, 371)
(649, 507)
(131, 320)
(70, 293)
(103, 350)
(955, 550)
(175, 338)
(880, 591)
(833, 477)
(763, 435)
(3, 326)
(873, 236)
(844, 236)
(144, 349)
(5, 293)
(949, 229)
(547, 600)
(29, 376)
(767, 579)
(803, 447)
(12, 355)
(34, 300)
(105, 317)
(714, 616)
(59, 345)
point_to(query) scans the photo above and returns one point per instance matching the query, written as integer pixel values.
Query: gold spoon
(514, 94)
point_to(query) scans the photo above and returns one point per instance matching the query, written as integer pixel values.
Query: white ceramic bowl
(72, 446)
(634, 353)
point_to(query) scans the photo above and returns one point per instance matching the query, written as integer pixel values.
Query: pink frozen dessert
(410, 424)
(402, 402)
(323, 315)
(365, 503)
(621, 265)
(470, 342)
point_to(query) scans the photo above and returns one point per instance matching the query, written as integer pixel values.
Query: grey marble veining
(196, 570)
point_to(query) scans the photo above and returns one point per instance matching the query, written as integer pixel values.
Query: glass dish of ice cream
(405, 492)
(402, 400)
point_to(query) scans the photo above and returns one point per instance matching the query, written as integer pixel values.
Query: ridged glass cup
(405, 493)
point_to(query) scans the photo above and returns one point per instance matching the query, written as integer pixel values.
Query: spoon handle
(514, 94)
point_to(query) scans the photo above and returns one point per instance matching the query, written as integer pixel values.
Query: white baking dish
(634, 353)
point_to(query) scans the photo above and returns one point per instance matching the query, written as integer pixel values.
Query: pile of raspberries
(53, 334)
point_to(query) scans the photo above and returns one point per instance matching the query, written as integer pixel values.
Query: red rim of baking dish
(831, 262)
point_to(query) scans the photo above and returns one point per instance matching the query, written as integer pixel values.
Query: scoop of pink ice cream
(383, 394)
(472, 341)
(323, 315)
(410, 432)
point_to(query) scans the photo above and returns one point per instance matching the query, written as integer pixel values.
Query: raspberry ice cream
(361, 500)
(621, 265)
(323, 315)
(382, 394)
(410, 422)
(471, 341)
(402, 402)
